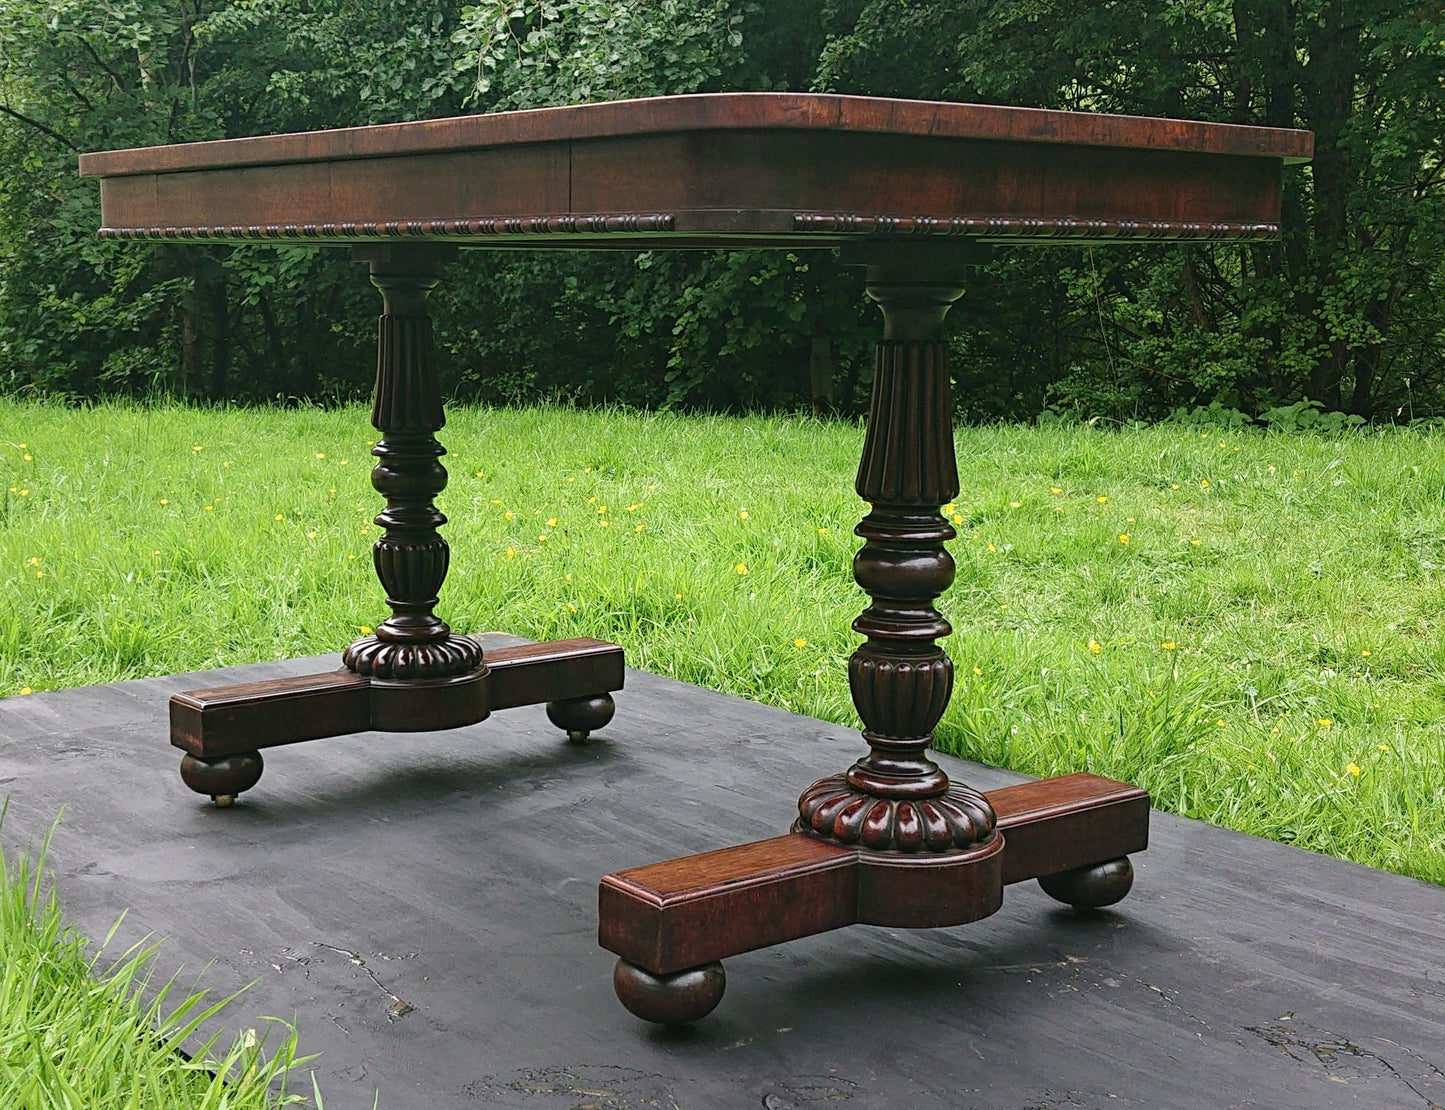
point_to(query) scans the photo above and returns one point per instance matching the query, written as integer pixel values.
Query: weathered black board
(454, 876)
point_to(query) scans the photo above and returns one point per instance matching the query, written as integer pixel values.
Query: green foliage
(1348, 311)
(90, 1030)
(536, 54)
(1270, 582)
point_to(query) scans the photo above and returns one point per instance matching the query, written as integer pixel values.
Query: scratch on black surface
(399, 1006)
(580, 1087)
(810, 1090)
(1343, 1059)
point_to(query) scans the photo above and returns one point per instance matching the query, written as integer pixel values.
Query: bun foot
(674, 999)
(579, 716)
(1091, 888)
(222, 779)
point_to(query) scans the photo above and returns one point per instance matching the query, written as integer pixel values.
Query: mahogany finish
(794, 112)
(917, 192)
(411, 557)
(227, 720)
(666, 918)
(713, 169)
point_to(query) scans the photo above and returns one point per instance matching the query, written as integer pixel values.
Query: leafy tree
(1347, 311)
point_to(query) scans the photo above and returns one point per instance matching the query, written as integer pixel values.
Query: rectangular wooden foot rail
(682, 913)
(225, 720)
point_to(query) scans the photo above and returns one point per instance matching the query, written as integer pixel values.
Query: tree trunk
(222, 344)
(1329, 82)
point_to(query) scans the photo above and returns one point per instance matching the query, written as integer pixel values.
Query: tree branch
(42, 128)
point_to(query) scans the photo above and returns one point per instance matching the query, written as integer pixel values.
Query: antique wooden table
(915, 192)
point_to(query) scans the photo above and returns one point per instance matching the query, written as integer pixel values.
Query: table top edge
(710, 112)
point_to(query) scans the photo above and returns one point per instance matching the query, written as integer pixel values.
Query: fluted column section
(895, 798)
(410, 557)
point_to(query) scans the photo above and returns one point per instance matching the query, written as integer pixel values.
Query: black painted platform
(425, 907)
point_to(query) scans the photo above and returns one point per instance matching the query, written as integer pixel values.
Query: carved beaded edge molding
(1019, 227)
(814, 223)
(407, 229)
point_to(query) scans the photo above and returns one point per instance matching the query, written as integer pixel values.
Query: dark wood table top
(713, 169)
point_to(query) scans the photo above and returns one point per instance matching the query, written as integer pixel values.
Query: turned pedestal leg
(410, 557)
(896, 799)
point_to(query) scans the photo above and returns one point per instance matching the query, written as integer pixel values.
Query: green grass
(75, 1035)
(1298, 578)
(1264, 652)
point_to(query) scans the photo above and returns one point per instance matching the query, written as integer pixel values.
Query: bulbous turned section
(1092, 887)
(377, 657)
(835, 810)
(222, 778)
(676, 999)
(900, 696)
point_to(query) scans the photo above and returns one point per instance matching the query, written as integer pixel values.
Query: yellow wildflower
(742, 514)
(1124, 537)
(741, 568)
(1353, 769)
(798, 641)
(1169, 645)
(366, 630)
(1095, 646)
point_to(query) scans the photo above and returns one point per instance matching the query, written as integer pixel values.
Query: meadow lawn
(1247, 624)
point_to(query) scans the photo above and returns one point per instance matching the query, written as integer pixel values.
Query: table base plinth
(671, 922)
(222, 729)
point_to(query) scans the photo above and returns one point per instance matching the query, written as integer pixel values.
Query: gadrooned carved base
(960, 817)
(375, 658)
